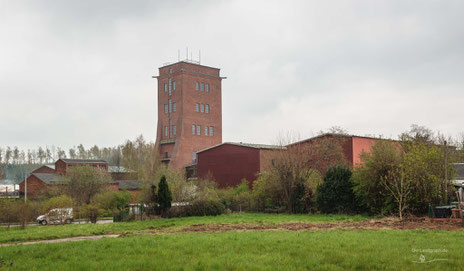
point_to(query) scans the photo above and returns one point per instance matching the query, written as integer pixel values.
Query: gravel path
(71, 239)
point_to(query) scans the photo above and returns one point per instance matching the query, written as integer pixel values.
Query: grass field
(15, 234)
(334, 249)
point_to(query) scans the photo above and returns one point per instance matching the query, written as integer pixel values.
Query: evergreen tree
(336, 194)
(164, 196)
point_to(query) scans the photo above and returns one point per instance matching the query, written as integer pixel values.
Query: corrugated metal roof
(52, 166)
(247, 145)
(116, 169)
(86, 161)
(49, 178)
(130, 184)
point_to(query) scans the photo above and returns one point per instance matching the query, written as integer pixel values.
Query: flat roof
(247, 145)
(84, 161)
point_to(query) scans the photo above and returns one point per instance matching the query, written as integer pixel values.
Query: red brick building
(48, 176)
(230, 162)
(189, 111)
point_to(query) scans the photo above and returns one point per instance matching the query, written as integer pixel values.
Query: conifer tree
(164, 196)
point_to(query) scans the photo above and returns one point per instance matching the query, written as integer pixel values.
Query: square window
(165, 108)
(198, 86)
(207, 108)
(166, 131)
(170, 85)
(207, 87)
(197, 107)
(173, 107)
(206, 130)
(193, 129)
(202, 86)
(202, 108)
(174, 130)
(174, 85)
(198, 130)
(165, 87)
(170, 106)
(194, 157)
(211, 131)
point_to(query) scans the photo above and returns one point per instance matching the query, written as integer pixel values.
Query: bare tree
(293, 164)
(399, 187)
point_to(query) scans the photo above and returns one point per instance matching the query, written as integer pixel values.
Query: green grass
(269, 250)
(61, 231)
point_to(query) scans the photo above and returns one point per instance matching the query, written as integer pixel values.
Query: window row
(202, 86)
(203, 108)
(173, 130)
(168, 87)
(169, 107)
(196, 130)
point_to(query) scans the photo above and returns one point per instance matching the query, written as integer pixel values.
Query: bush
(91, 212)
(206, 207)
(335, 194)
(178, 211)
(236, 198)
(111, 203)
(62, 201)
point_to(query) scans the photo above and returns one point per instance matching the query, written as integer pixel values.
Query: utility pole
(25, 186)
(446, 173)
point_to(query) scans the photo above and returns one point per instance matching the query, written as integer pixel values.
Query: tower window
(174, 85)
(166, 131)
(197, 107)
(202, 108)
(207, 87)
(170, 83)
(165, 108)
(170, 106)
(170, 70)
(202, 86)
(173, 107)
(174, 130)
(198, 86)
(198, 130)
(211, 131)
(165, 87)
(193, 129)
(206, 130)
(207, 108)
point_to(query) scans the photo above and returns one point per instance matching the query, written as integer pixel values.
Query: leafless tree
(399, 187)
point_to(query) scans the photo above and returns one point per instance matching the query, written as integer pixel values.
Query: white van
(57, 216)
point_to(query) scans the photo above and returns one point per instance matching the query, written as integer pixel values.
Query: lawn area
(250, 250)
(62, 231)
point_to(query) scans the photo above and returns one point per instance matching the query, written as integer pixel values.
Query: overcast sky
(76, 72)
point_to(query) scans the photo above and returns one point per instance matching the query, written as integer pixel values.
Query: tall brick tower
(189, 111)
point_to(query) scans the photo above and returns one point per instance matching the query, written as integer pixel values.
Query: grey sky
(76, 72)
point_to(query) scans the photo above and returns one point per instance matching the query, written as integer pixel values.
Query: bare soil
(372, 224)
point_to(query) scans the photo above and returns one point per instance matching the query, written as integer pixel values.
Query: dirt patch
(373, 224)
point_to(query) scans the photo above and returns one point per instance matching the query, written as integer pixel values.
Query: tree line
(138, 155)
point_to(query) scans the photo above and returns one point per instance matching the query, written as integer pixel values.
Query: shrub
(91, 212)
(178, 211)
(62, 201)
(335, 194)
(206, 207)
